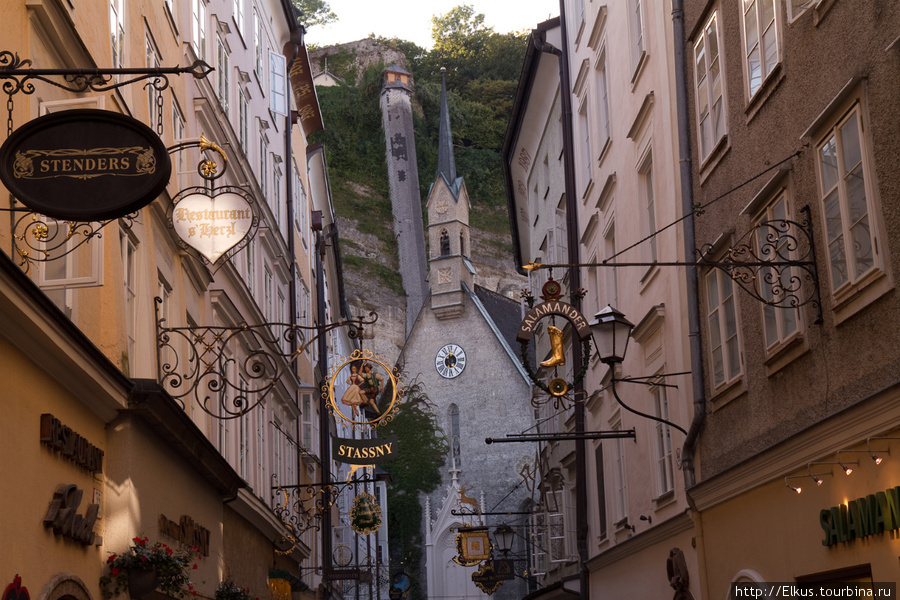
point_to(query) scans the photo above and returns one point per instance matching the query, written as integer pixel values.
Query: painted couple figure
(364, 388)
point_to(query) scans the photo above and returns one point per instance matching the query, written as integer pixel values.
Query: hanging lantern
(365, 514)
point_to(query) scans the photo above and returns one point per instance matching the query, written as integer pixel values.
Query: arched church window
(445, 242)
(462, 244)
(454, 435)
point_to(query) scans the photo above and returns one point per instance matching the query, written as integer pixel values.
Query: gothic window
(454, 435)
(445, 242)
(462, 244)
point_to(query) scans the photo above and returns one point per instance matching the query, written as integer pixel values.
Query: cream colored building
(100, 368)
(622, 191)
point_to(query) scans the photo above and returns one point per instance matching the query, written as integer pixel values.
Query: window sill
(648, 277)
(587, 190)
(638, 69)
(604, 152)
(765, 91)
(786, 352)
(728, 392)
(708, 165)
(849, 299)
(664, 500)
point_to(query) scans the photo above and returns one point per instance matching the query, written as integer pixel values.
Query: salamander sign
(84, 165)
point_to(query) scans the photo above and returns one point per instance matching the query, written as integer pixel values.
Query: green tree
(315, 12)
(421, 449)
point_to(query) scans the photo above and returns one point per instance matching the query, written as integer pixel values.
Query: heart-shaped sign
(212, 225)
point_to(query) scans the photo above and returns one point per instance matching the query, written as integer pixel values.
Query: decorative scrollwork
(366, 388)
(774, 262)
(229, 370)
(554, 390)
(303, 507)
(207, 169)
(39, 238)
(18, 78)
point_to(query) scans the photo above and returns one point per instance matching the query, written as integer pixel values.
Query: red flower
(195, 566)
(168, 551)
(193, 593)
(111, 558)
(136, 540)
(190, 587)
(143, 559)
(113, 571)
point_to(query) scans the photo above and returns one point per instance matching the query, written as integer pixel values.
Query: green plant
(227, 590)
(172, 568)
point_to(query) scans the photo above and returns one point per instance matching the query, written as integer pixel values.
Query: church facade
(461, 347)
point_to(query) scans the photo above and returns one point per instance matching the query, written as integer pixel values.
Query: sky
(411, 19)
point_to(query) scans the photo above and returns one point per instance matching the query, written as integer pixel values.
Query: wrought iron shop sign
(84, 165)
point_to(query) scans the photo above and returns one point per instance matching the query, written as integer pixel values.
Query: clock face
(450, 361)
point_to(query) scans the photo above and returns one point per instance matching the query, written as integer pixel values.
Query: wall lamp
(874, 456)
(796, 488)
(844, 466)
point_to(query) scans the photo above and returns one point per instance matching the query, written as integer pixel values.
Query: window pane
(838, 263)
(734, 359)
(850, 144)
(770, 46)
(718, 366)
(712, 286)
(833, 216)
(856, 195)
(828, 158)
(750, 27)
(771, 324)
(754, 68)
(862, 246)
(730, 318)
(713, 39)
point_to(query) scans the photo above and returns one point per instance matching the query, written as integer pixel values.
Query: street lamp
(612, 332)
(504, 535)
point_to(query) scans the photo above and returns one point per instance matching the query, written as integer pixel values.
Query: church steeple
(450, 270)
(446, 160)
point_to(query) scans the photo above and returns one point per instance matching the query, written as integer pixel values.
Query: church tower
(403, 181)
(448, 226)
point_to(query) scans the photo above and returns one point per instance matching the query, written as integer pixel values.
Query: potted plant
(146, 567)
(227, 590)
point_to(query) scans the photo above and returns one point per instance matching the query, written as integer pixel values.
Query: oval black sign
(84, 165)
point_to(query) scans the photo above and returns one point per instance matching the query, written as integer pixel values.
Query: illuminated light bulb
(878, 460)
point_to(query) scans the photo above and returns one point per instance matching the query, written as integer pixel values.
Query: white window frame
(637, 33)
(603, 100)
(129, 287)
(278, 83)
(258, 47)
(751, 18)
(238, 15)
(153, 95)
(721, 308)
(584, 127)
(610, 281)
(648, 205)
(854, 277)
(794, 12)
(710, 93)
(198, 27)
(222, 73)
(308, 429)
(785, 323)
(243, 120)
(263, 163)
(665, 467)
(117, 32)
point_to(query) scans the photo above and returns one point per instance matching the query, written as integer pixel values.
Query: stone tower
(448, 226)
(403, 179)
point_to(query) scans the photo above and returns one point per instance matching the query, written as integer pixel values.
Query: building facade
(124, 312)
(592, 177)
(793, 160)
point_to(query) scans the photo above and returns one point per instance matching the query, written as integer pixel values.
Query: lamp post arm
(637, 412)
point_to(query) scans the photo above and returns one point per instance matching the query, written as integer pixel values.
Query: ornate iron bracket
(230, 370)
(17, 77)
(208, 169)
(774, 262)
(38, 238)
(303, 506)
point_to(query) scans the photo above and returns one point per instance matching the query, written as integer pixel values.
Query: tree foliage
(421, 450)
(315, 12)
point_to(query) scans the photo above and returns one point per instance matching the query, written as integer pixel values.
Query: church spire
(446, 161)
